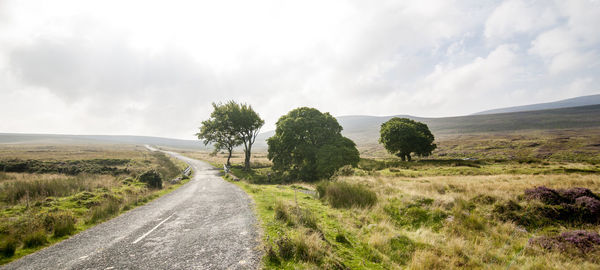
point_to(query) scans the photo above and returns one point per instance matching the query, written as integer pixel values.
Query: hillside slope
(566, 103)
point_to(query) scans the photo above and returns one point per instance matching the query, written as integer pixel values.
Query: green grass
(437, 218)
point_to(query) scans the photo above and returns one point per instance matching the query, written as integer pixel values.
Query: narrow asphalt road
(206, 224)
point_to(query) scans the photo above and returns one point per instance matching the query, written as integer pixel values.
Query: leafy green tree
(220, 129)
(232, 124)
(402, 137)
(309, 145)
(247, 123)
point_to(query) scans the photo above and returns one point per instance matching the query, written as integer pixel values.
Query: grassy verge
(429, 220)
(40, 209)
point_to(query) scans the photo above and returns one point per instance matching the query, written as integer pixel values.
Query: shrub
(9, 246)
(35, 239)
(544, 194)
(285, 247)
(346, 195)
(346, 170)
(152, 179)
(590, 208)
(573, 193)
(580, 240)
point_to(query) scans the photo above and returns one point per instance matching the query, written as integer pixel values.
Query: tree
(231, 124)
(308, 145)
(402, 136)
(220, 128)
(247, 124)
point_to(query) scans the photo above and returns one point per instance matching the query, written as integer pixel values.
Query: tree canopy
(402, 137)
(308, 145)
(230, 125)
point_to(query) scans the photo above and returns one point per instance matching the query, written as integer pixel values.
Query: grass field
(49, 192)
(429, 214)
(567, 145)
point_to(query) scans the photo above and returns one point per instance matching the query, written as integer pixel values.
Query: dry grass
(259, 159)
(571, 145)
(60, 205)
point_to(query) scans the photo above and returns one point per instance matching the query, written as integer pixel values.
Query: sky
(154, 67)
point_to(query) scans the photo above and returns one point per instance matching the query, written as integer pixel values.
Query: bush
(152, 179)
(580, 240)
(544, 194)
(590, 208)
(573, 193)
(346, 195)
(35, 239)
(9, 246)
(285, 247)
(346, 170)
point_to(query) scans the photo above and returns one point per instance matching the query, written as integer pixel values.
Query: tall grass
(48, 185)
(345, 195)
(105, 211)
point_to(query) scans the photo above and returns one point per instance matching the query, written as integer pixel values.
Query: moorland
(49, 192)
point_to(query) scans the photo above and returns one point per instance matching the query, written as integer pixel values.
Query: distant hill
(566, 103)
(17, 138)
(364, 130)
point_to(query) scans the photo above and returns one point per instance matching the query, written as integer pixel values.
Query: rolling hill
(18, 138)
(566, 103)
(364, 129)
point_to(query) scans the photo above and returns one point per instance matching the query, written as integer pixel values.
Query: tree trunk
(402, 157)
(247, 158)
(408, 157)
(229, 157)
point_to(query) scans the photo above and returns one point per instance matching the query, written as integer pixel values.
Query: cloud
(515, 17)
(75, 67)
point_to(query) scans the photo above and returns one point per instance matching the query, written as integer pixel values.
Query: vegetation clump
(581, 240)
(69, 167)
(9, 246)
(345, 195)
(63, 224)
(35, 239)
(548, 206)
(152, 179)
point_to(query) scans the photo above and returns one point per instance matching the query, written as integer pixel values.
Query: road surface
(207, 223)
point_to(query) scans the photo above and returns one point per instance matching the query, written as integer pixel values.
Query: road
(207, 223)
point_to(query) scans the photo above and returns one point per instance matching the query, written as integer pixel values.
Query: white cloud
(514, 17)
(154, 67)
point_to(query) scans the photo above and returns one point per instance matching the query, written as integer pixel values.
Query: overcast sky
(154, 67)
